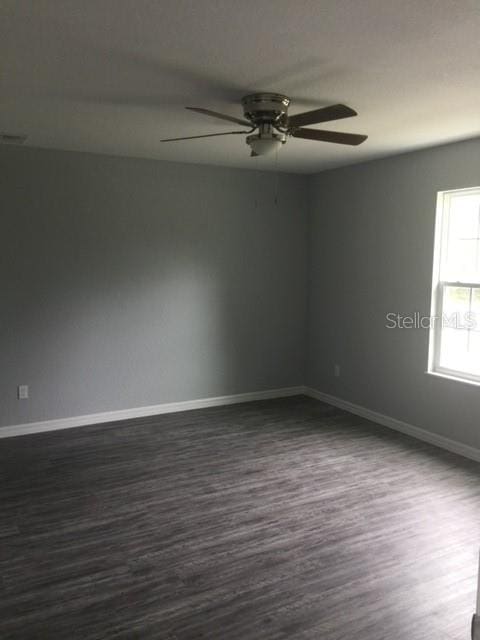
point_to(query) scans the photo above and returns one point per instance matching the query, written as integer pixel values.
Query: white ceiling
(113, 76)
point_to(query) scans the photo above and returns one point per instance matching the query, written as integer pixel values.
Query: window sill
(451, 377)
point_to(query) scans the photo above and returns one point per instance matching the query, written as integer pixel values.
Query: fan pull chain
(257, 181)
(277, 178)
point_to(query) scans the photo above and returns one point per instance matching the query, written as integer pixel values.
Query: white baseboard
(188, 405)
(392, 423)
(140, 412)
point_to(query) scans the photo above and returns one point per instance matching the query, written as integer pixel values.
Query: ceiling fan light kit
(263, 144)
(270, 125)
(265, 141)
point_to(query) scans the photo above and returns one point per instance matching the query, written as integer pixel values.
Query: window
(455, 325)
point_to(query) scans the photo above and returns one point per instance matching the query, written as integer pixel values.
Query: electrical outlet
(22, 391)
(336, 370)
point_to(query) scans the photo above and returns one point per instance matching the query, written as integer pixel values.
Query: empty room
(239, 320)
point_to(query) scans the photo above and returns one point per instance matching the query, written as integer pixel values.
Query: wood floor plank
(277, 519)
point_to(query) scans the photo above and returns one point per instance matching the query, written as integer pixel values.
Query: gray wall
(371, 252)
(132, 282)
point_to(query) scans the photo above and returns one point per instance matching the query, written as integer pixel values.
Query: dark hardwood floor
(268, 520)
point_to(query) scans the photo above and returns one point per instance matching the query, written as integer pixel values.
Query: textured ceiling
(113, 76)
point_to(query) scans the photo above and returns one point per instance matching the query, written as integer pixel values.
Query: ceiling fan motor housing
(262, 108)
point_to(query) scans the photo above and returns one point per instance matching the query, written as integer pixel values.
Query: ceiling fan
(267, 115)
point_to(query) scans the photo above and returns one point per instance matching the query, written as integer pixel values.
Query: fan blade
(326, 114)
(337, 137)
(221, 116)
(208, 135)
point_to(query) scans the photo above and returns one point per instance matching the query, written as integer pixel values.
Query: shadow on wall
(132, 282)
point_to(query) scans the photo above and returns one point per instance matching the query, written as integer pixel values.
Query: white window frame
(438, 288)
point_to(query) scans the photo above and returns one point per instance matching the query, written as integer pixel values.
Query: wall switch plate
(336, 370)
(22, 391)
